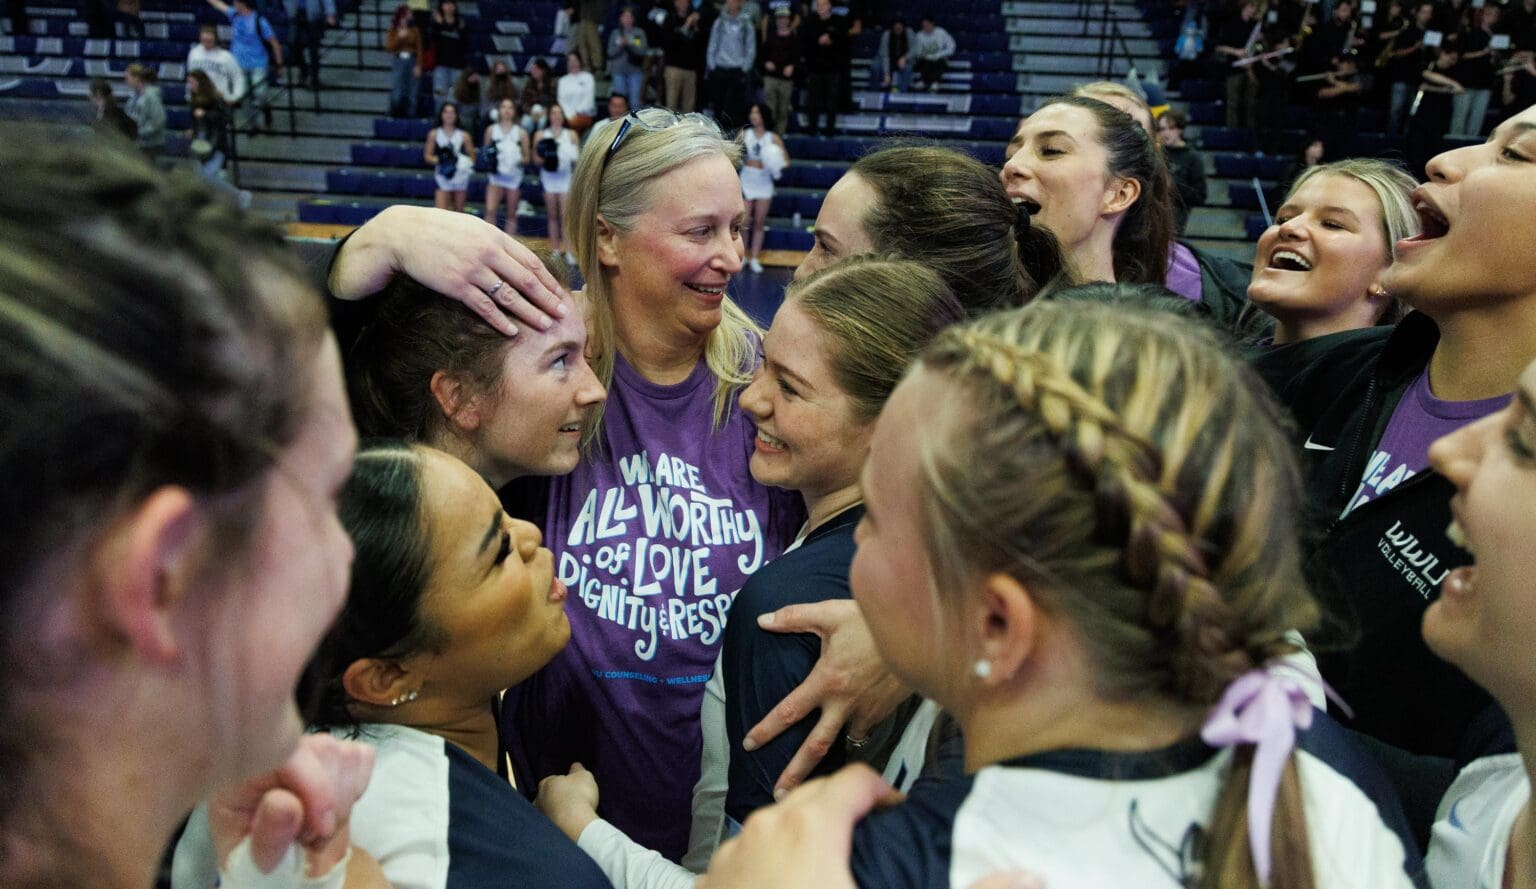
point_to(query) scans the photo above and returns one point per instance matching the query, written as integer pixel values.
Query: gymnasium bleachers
(336, 158)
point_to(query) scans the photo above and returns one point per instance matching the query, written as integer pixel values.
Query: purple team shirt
(1183, 275)
(653, 535)
(1418, 420)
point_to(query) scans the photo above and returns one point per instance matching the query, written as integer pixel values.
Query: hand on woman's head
(458, 255)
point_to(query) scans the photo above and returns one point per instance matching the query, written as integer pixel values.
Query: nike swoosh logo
(1456, 822)
(1314, 446)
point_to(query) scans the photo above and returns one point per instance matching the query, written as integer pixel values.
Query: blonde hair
(875, 314)
(1135, 476)
(619, 189)
(1392, 185)
(1103, 89)
(1393, 188)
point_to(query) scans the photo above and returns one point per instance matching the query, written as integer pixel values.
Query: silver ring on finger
(495, 287)
(855, 743)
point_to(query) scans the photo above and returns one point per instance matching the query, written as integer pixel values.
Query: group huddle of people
(1048, 550)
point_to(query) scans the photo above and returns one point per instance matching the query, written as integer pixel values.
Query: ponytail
(1228, 858)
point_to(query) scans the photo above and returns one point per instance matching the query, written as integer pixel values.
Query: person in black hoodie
(1368, 404)
(826, 52)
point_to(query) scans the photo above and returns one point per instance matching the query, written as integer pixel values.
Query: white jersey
(1470, 839)
(1086, 819)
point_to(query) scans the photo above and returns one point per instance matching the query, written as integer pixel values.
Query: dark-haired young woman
(426, 369)
(1090, 173)
(451, 601)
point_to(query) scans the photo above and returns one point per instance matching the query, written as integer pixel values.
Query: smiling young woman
(1319, 266)
(1370, 402)
(1485, 832)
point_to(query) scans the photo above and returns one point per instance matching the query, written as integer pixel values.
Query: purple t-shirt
(1183, 275)
(653, 535)
(1418, 420)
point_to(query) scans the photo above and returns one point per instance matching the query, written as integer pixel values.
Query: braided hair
(1135, 476)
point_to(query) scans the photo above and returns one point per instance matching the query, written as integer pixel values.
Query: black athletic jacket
(1376, 571)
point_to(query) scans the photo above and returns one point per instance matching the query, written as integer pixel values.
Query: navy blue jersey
(761, 668)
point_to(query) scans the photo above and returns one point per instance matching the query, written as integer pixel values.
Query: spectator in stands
(450, 151)
(684, 43)
(825, 38)
(961, 223)
(218, 63)
(147, 109)
(539, 87)
(513, 152)
(1313, 154)
(1403, 58)
(1338, 104)
(501, 86)
(892, 64)
(130, 21)
(1318, 267)
(1185, 164)
(307, 21)
(781, 62)
(1090, 174)
(21, 22)
(627, 46)
(450, 37)
(1451, 16)
(251, 41)
(1520, 83)
(1337, 38)
(1272, 88)
(556, 149)
(618, 108)
(763, 159)
(576, 92)
(466, 93)
(729, 62)
(1234, 38)
(591, 15)
(932, 48)
(1431, 119)
(1475, 72)
(209, 133)
(173, 406)
(110, 119)
(403, 43)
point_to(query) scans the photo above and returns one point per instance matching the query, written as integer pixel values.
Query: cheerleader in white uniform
(511, 143)
(452, 155)
(556, 147)
(763, 161)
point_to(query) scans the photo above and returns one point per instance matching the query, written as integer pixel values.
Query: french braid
(1132, 506)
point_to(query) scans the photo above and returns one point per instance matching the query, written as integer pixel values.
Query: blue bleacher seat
(1254, 225)
(1235, 166)
(1224, 138)
(1242, 196)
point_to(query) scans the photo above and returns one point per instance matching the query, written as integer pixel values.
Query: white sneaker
(755, 266)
